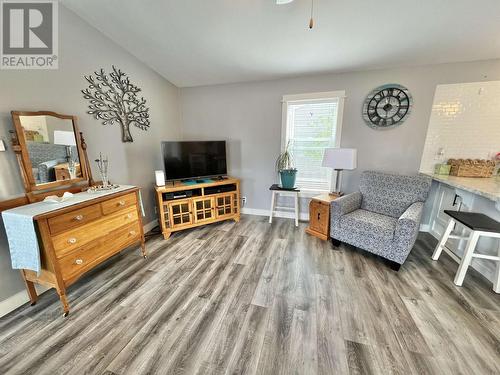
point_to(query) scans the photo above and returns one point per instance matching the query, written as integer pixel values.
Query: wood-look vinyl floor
(254, 298)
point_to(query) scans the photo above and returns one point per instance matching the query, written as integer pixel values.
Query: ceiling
(204, 42)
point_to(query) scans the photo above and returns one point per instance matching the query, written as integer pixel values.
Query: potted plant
(284, 165)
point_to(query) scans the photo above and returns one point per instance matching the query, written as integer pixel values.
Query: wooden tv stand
(210, 201)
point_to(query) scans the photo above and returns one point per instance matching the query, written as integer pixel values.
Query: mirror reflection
(51, 144)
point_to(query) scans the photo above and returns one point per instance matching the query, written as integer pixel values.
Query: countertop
(485, 187)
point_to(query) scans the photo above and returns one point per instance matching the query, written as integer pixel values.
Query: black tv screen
(188, 160)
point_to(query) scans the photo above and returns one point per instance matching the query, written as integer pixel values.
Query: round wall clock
(387, 106)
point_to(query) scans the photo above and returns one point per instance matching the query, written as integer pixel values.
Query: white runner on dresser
(21, 231)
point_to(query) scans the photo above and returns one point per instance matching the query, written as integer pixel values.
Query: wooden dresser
(182, 206)
(75, 239)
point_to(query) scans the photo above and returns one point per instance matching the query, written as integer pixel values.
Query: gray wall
(82, 50)
(248, 116)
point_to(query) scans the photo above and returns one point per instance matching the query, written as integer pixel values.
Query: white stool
(276, 190)
(480, 225)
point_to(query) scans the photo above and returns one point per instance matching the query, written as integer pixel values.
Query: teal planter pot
(288, 177)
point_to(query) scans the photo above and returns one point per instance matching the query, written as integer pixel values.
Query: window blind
(312, 127)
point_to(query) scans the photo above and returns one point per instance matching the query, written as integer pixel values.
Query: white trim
(13, 302)
(147, 227)
(308, 97)
(314, 96)
(308, 194)
(425, 228)
(261, 212)
(20, 298)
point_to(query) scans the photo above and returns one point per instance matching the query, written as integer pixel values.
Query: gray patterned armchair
(383, 217)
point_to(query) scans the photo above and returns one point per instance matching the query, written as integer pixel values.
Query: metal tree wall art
(114, 99)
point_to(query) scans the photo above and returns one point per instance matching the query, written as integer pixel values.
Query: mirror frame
(25, 161)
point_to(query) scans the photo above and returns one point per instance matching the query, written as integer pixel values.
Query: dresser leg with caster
(30, 289)
(143, 250)
(64, 301)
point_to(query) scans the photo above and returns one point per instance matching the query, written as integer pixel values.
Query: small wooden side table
(319, 216)
(62, 171)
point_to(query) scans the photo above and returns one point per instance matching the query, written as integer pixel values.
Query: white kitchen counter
(486, 187)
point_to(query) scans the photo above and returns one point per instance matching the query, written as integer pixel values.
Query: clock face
(387, 106)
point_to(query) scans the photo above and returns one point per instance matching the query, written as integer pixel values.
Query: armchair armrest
(407, 229)
(344, 205)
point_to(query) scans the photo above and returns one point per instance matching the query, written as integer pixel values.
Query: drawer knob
(129, 216)
(79, 261)
(132, 232)
(72, 240)
(79, 217)
(121, 203)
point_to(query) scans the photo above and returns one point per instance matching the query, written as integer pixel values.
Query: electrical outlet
(244, 200)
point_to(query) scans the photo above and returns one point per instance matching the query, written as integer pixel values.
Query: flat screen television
(194, 159)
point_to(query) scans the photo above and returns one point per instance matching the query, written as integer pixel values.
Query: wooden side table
(62, 171)
(319, 216)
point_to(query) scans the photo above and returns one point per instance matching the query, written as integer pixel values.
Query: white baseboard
(150, 225)
(425, 228)
(20, 298)
(303, 216)
(13, 302)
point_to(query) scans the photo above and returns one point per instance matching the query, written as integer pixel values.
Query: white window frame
(308, 97)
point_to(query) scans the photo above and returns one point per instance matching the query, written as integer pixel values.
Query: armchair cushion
(392, 194)
(343, 205)
(370, 224)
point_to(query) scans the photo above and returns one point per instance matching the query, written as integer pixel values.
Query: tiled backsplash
(464, 123)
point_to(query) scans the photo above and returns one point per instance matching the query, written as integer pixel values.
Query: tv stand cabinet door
(224, 205)
(204, 209)
(180, 213)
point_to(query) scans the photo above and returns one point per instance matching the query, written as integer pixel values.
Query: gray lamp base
(338, 183)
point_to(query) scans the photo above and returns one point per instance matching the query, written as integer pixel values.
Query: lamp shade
(340, 158)
(65, 138)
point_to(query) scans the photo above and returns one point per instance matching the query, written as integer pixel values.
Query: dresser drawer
(85, 258)
(74, 219)
(119, 203)
(66, 242)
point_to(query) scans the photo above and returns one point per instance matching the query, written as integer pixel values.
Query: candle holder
(103, 164)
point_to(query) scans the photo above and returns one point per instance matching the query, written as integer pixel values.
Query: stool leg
(466, 259)
(297, 210)
(272, 208)
(442, 241)
(496, 278)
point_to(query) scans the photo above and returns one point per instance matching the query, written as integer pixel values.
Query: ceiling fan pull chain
(311, 21)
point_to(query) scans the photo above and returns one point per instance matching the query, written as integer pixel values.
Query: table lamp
(339, 159)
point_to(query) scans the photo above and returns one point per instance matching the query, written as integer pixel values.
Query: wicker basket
(471, 167)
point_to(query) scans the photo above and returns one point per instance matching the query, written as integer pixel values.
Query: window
(311, 123)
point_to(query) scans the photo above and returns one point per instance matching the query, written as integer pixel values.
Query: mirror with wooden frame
(49, 150)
